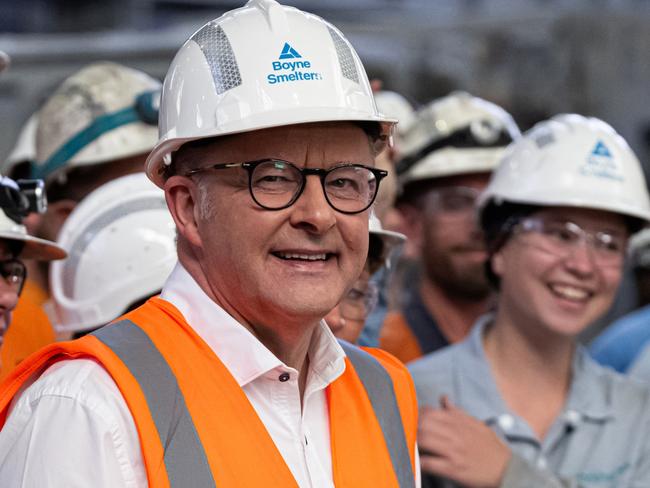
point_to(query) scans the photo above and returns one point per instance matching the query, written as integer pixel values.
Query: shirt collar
(240, 351)
(587, 399)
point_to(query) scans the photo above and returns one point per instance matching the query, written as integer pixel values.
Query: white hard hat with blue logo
(572, 161)
(263, 65)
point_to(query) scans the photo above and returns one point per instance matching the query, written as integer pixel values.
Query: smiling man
(231, 377)
(450, 150)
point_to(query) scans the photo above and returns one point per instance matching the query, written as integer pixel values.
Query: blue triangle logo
(601, 150)
(288, 52)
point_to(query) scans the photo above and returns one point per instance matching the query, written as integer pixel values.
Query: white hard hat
(574, 161)
(4, 61)
(639, 249)
(390, 240)
(121, 242)
(396, 106)
(33, 247)
(25, 149)
(102, 113)
(456, 134)
(259, 66)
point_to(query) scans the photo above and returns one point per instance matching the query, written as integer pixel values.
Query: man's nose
(312, 210)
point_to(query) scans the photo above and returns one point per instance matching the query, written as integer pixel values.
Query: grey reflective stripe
(184, 457)
(379, 386)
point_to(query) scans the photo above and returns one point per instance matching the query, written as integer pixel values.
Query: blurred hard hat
(25, 149)
(396, 106)
(13, 230)
(102, 113)
(573, 161)
(4, 61)
(259, 66)
(639, 248)
(389, 241)
(121, 241)
(456, 134)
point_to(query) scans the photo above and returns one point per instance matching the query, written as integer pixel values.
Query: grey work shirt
(601, 438)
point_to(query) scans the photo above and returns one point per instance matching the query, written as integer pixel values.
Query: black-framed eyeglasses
(13, 273)
(275, 184)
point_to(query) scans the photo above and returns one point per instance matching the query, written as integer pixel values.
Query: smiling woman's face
(561, 293)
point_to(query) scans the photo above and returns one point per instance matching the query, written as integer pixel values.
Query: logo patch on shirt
(603, 477)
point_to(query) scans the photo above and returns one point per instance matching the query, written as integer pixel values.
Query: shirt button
(506, 422)
(284, 377)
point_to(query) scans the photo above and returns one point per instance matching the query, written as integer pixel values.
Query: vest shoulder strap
(186, 462)
(381, 393)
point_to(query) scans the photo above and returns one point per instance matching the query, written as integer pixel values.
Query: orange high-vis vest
(196, 426)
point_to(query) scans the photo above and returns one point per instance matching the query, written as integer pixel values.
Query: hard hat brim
(168, 144)
(36, 248)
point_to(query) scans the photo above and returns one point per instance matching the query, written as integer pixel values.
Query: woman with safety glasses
(519, 403)
(348, 318)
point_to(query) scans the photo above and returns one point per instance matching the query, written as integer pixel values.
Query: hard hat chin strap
(144, 109)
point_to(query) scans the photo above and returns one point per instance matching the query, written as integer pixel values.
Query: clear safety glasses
(563, 238)
(360, 301)
(13, 273)
(453, 201)
(275, 184)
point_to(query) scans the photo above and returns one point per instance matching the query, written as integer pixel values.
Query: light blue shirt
(601, 438)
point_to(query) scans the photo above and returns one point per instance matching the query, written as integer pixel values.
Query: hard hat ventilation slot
(218, 53)
(344, 53)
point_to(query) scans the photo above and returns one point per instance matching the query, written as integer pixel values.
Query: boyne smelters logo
(602, 163)
(291, 66)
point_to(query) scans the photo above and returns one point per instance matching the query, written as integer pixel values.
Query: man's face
(270, 268)
(452, 246)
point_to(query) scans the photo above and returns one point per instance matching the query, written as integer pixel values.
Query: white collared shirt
(72, 428)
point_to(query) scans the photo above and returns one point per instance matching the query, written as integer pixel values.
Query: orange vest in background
(397, 338)
(239, 451)
(29, 330)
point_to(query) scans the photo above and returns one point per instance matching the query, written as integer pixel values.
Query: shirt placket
(286, 399)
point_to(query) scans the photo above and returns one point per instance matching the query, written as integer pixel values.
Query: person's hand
(457, 446)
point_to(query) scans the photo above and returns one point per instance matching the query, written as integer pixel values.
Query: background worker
(99, 124)
(122, 244)
(393, 105)
(620, 345)
(520, 402)
(449, 152)
(231, 378)
(15, 246)
(348, 318)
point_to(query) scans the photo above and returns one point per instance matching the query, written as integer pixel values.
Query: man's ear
(498, 262)
(182, 196)
(413, 225)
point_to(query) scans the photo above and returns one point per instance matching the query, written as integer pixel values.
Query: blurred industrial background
(535, 58)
